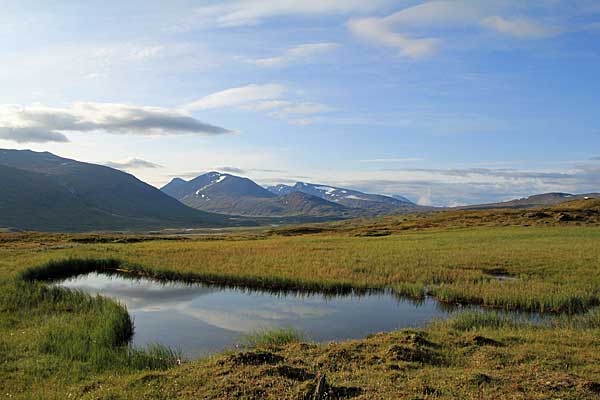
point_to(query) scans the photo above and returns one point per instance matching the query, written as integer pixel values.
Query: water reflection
(200, 319)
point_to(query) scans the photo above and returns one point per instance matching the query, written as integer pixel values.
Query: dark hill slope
(124, 201)
(538, 200)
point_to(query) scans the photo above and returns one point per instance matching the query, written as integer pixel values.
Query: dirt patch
(339, 359)
(330, 392)
(537, 215)
(593, 387)
(479, 340)
(406, 353)
(377, 233)
(300, 230)
(124, 239)
(255, 358)
(417, 339)
(293, 373)
(481, 379)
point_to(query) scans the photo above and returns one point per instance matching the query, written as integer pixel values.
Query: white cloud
(266, 97)
(383, 31)
(303, 52)
(379, 31)
(132, 164)
(439, 13)
(229, 13)
(302, 109)
(403, 30)
(237, 96)
(446, 187)
(520, 28)
(49, 124)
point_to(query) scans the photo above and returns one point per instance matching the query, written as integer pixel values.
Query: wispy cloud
(520, 28)
(228, 13)
(403, 30)
(237, 96)
(132, 164)
(460, 186)
(297, 54)
(302, 109)
(49, 124)
(266, 98)
(392, 160)
(231, 170)
(378, 31)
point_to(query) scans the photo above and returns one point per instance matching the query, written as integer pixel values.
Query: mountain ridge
(233, 195)
(109, 198)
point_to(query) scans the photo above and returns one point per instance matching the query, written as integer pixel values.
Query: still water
(199, 319)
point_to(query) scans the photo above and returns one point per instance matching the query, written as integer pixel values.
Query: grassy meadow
(56, 343)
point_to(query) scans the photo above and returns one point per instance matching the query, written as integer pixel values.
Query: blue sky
(445, 102)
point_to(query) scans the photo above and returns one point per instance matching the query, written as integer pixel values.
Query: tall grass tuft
(153, 357)
(470, 320)
(415, 291)
(272, 337)
(82, 328)
(56, 270)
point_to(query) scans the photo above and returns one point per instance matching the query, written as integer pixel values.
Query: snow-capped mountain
(230, 194)
(234, 195)
(346, 197)
(216, 184)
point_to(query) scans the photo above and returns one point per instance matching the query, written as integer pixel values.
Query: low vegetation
(273, 337)
(58, 343)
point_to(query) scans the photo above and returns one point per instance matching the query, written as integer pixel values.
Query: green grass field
(60, 344)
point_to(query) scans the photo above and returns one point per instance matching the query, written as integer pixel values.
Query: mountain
(374, 203)
(215, 184)
(538, 200)
(234, 195)
(42, 191)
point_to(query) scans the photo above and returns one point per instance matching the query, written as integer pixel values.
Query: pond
(200, 319)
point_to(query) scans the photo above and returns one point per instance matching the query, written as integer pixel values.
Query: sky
(444, 102)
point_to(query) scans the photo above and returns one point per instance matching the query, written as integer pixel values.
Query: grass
(473, 320)
(58, 343)
(79, 328)
(272, 337)
(411, 290)
(555, 267)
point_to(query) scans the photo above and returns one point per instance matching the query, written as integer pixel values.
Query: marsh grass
(53, 340)
(416, 291)
(472, 320)
(272, 337)
(81, 328)
(588, 320)
(534, 296)
(61, 269)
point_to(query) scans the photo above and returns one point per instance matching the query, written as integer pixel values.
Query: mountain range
(42, 191)
(538, 200)
(234, 195)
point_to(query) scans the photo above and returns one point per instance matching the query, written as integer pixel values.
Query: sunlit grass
(51, 338)
(272, 337)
